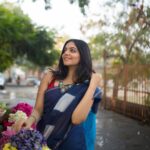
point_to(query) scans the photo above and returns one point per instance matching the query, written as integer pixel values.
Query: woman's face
(71, 55)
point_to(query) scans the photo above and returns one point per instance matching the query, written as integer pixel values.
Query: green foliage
(81, 3)
(19, 38)
(3, 105)
(6, 60)
(98, 45)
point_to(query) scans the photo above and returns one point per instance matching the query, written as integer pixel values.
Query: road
(13, 94)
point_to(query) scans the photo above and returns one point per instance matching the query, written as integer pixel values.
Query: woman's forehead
(70, 44)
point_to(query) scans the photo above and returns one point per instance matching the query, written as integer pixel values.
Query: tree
(81, 3)
(6, 60)
(20, 38)
(128, 42)
(135, 20)
(129, 35)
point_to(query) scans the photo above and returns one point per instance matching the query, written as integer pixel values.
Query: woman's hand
(18, 125)
(82, 110)
(96, 80)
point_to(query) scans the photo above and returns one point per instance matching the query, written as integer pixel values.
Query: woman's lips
(66, 58)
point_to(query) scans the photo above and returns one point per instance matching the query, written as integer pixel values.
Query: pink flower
(25, 107)
(3, 141)
(8, 133)
(6, 123)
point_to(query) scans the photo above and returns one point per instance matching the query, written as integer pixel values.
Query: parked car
(2, 81)
(32, 81)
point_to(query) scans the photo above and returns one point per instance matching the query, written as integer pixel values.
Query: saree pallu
(55, 123)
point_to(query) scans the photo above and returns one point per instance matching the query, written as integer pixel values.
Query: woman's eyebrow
(71, 47)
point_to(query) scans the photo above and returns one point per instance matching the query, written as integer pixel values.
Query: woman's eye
(64, 50)
(73, 50)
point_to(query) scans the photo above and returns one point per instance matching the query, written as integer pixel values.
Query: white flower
(17, 116)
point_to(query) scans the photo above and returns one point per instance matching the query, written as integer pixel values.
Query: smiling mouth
(67, 58)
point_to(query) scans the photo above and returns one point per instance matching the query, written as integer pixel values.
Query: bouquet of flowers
(26, 140)
(9, 117)
(20, 111)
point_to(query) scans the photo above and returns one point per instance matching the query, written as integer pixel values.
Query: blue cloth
(56, 119)
(90, 131)
(90, 123)
(75, 139)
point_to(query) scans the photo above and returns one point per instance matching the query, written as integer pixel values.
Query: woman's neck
(71, 76)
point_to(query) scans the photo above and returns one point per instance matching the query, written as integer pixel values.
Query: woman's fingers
(18, 125)
(96, 79)
(26, 126)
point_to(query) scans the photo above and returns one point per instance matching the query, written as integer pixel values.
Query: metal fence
(127, 90)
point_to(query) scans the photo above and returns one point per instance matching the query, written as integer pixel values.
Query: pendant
(62, 90)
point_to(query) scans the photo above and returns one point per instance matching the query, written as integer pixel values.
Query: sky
(63, 16)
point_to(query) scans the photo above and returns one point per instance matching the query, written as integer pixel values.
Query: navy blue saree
(55, 123)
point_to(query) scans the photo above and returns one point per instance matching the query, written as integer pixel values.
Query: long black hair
(84, 68)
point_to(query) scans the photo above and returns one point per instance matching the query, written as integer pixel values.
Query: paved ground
(114, 131)
(117, 132)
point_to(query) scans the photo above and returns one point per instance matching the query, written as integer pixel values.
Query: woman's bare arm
(82, 110)
(38, 108)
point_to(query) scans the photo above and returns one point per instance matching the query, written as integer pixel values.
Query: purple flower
(28, 139)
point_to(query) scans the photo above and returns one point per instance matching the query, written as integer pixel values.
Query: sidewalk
(117, 132)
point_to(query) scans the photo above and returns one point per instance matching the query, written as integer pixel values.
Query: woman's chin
(68, 64)
(65, 64)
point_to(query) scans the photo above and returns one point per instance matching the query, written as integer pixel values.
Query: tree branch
(134, 41)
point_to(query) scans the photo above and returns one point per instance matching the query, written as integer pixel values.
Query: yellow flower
(45, 148)
(8, 146)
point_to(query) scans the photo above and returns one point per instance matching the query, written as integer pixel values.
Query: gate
(127, 90)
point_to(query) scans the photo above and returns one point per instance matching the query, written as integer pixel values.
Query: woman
(67, 101)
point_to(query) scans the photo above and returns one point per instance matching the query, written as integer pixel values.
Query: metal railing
(127, 90)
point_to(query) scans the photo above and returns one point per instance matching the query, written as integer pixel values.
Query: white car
(2, 81)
